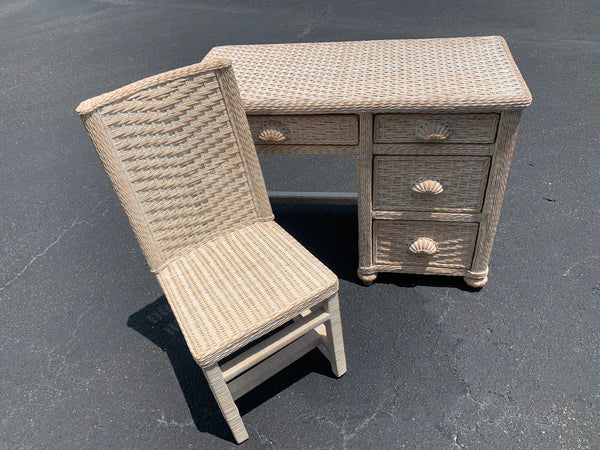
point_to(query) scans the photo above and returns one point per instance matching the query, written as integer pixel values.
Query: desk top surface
(410, 75)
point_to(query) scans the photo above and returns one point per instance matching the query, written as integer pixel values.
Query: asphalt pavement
(90, 357)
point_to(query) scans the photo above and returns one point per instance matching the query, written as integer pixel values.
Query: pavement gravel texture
(90, 355)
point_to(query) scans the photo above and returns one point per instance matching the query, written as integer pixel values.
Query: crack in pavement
(314, 23)
(77, 221)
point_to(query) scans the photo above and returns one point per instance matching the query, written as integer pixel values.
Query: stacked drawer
(430, 173)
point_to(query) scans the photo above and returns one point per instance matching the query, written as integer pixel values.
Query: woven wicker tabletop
(474, 73)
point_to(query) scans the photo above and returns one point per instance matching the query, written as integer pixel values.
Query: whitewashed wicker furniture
(179, 154)
(433, 122)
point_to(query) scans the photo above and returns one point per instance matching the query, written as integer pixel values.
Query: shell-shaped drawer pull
(273, 132)
(428, 187)
(423, 246)
(433, 131)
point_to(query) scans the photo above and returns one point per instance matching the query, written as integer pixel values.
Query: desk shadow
(330, 232)
(157, 323)
(410, 280)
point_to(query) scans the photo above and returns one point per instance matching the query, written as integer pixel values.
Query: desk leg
(366, 276)
(505, 144)
(365, 221)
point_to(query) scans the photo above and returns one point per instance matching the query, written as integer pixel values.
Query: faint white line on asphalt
(77, 221)
(580, 262)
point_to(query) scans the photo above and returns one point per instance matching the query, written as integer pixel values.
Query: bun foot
(366, 277)
(476, 283)
(476, 279)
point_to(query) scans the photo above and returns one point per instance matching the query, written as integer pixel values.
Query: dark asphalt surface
(89, 356)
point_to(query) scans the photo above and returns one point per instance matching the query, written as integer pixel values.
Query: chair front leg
(221, 392)
(334, 339)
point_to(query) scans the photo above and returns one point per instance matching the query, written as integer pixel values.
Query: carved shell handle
(428, 187)
(273, 132)
(423, 246)
(433, 131)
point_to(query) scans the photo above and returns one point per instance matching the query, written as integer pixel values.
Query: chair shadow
(157, 323)
(330, 232)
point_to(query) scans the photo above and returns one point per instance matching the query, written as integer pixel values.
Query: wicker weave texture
(230, 412)
(275, 149)
(455, 243)
(461, 128)
(389, 75)
(364, 174)
(178, 157)
(329, 129)
(505, 145)
(434, 149)
(240, 286)
(463, 181)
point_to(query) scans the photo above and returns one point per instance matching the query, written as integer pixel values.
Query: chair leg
(335, 340)
(219, 388)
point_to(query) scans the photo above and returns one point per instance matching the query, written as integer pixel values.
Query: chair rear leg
(230, 412)
(334, 339)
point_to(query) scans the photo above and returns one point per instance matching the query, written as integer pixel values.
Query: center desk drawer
(321, 129)
(435, 244)
(430, 183)
(451, 128)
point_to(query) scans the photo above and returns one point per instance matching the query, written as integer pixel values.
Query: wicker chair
(179, 154)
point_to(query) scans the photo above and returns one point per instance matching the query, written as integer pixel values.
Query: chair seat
(240, 286)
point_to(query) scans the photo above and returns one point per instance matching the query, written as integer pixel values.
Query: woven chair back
(178, 151)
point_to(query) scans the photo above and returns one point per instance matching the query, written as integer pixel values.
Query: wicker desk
(433, 122)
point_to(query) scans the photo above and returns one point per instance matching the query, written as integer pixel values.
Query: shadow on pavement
(157, 323)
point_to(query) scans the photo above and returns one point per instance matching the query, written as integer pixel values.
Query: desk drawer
(451, 128)
(434, 244)
(429, 183)
(322, 129)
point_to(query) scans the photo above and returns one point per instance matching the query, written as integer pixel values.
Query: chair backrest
(178, 151)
